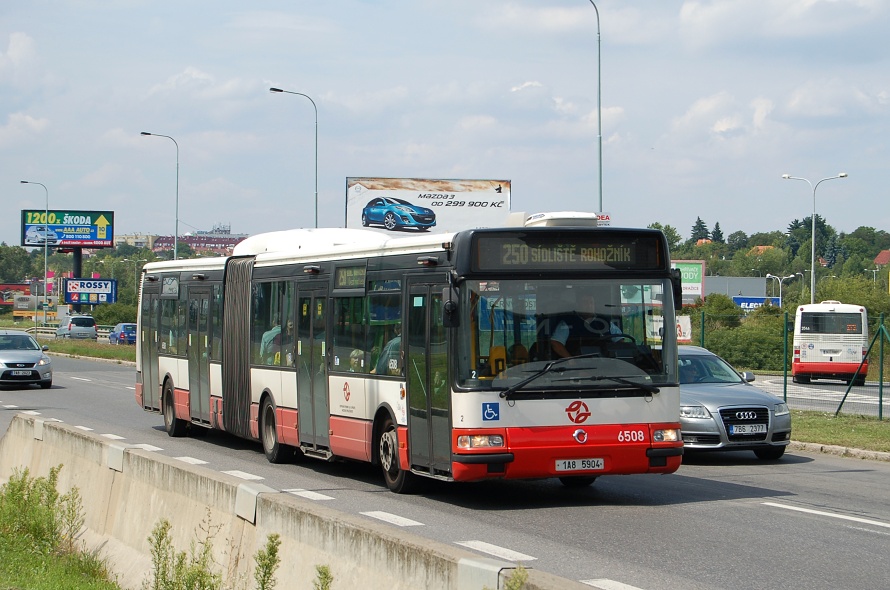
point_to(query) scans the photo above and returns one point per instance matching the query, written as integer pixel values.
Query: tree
(717, 233)
(699, 231)
(16, 264)
(738, 240)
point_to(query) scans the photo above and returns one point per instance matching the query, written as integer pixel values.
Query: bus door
(199, 353)
(426, 372)
(148, 346)
(312, 381)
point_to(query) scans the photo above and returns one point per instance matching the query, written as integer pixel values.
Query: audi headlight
(782, 409)
(694, 412)
(478, 441)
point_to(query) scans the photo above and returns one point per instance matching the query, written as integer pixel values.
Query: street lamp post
(874, 273)
(759, 274)
(780, 280)
(45, 249)
(176, 232)
(136, 275)
(316, 142)
(802, 277)
(599, 109)
(813, 255)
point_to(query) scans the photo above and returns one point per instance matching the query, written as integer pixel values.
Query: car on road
(123, 333)
(23, 361)
(395, 214)
(721, 411)
(39, 235)
(77, 326)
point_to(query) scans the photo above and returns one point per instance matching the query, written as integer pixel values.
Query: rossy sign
(90, 291)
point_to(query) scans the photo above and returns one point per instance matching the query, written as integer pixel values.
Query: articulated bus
(428, 356)
(830, 342)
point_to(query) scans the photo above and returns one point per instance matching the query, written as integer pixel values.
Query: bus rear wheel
(274, 450)
(397, 480)
(174, 426)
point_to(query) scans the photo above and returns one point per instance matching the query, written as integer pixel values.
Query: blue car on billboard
(395, 214)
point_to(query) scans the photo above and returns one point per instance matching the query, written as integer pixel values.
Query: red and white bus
(830, 342)
(427, 355)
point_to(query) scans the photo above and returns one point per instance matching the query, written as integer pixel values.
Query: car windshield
(18, 342)
(699, 368)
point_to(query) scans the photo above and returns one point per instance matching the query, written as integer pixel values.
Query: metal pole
(599, 109)
(813, 249)
(316, 142)
(45, 254)
(176, 231)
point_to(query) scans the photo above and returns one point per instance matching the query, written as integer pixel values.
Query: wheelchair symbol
(490, 412)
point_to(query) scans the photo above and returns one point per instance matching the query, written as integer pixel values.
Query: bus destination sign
(579, 251)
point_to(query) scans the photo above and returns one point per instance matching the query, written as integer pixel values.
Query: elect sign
(90, 291)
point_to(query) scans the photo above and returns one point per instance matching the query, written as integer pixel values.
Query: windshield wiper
(644, 386)
(550, 366)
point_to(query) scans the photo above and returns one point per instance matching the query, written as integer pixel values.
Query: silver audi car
(721, 411)
(23, 361)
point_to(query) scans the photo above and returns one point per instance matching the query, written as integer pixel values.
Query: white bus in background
(830, 342)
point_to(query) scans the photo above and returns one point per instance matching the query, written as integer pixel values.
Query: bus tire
(858, 381)
(397, 480)
(274, 450)
(803, 379)
(173, 425)
(577, 481)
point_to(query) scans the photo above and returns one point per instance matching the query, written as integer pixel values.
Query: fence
(761, 342)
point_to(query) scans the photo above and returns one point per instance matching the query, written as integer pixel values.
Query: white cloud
(21, 126)
(19, 59)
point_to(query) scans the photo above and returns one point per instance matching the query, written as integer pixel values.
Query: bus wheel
(859, 381)
(578, 481)
(397, 480)
(275, 451)
(801, 379)
(173, 425)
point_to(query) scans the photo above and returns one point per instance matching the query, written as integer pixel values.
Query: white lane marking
(113, 436)
(607, 584)
(309, 495)
(392, 518)
(192, 461)
(501, 552)
(10, 407)
(86, 428)
(81, 379)
(243, 475)
(130, 387)
(148, 447)
(830, 514)
(31, 412)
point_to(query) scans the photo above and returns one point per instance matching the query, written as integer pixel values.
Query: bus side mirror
(677, 282)
(450, 317)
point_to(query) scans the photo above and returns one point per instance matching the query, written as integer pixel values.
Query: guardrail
(50, 331)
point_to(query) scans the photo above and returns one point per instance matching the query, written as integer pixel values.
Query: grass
(90, 349)
(858, 432)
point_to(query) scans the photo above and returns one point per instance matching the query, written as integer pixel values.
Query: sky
(704, 106)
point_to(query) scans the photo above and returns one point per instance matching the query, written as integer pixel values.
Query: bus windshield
(830, 323)
(598, 335)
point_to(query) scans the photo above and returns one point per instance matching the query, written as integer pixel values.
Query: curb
(839, 451)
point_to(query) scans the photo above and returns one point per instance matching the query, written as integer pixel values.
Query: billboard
(693, 275)
(406, 205)
(89, 229)
(751, 303)
(9, 291)
(90, 291)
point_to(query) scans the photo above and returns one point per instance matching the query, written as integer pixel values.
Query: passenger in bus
(266, 352)
(357, 361)
(389, 362)
(283, 344)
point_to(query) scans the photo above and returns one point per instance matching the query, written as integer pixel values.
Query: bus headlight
(666, 435)
(694, 412)
(782, 409)
(478, 441)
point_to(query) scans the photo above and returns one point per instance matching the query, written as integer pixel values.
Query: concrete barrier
(126, 491)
